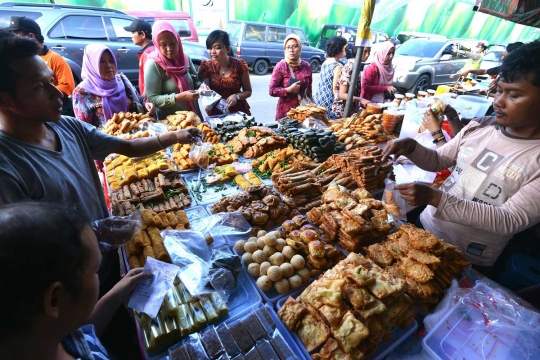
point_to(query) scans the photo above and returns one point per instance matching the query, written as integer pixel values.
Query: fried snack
(242, 182)
(332, 315)
(379, 254)
(416, 271)
(358, 296)
(161, 253)
(146, 239)
(182, 218)
(147, 218)
(291, 312)
(173, 220)
(312, 331)
(164, 219)
(350, 332)
(423, 257)
(148, 251)
(134, 262)
(138, 240)
(154, 235)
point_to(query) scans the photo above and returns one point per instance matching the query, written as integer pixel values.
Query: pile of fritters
(426, 264)
(348, 310)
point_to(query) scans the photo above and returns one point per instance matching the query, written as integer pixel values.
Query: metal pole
(352, 84)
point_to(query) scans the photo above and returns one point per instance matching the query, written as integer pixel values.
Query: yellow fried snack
(154, 235)
(147, 218)
(161, 253)
(146, 239)
(134, 262)
(173, 221)
(138, 241)
(164, 219)
(240, 181)
(148, 251)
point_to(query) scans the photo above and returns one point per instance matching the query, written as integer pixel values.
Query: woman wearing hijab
(104, 92)
(330, 70)
(226, 75)
(169, 73)
(378, 76)
(292, 78)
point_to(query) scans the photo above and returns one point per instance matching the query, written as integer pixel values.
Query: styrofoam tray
(398, 335)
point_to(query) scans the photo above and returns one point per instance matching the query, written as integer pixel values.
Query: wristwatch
(237, 97)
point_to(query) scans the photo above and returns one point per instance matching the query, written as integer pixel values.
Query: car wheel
(315, 65)
(260, 67)
(422, 84)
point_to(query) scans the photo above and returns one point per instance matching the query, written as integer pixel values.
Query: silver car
(420, 63)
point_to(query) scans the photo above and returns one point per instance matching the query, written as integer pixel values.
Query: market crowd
(52, 271)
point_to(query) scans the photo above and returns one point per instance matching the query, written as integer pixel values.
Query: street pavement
(263, 106)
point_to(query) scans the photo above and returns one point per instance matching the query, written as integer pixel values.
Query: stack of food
(122, 170)
(124, 123)
(181, 120)
(210, 134)
(300, 113)
(353, 218)
(180, 314)
(361, 163)
(277, 161)
(348, 138)
(256, 141)
(426, 264)
(368, 126)
(348, 311)
(253, 335)
(228, 129)
(330, 174)
(219, 154)
(317, 144)
(260, 205)
(312, 243)
(299, 187)
(162, 194)
(271, 261)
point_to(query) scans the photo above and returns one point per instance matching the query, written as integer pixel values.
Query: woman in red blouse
(378, 76)
(292, 78)
(228, 76)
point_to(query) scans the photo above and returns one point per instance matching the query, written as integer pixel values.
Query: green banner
(526, 12)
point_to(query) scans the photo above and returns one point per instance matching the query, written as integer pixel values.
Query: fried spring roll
(154, 235)
(134, 262)
(146, 239)
(138, 241)
(148, 251)
(182, 218)
(161, 253)
(173, 220)
(173, 205)
(147, 218)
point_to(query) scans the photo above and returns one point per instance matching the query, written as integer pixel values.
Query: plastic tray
(398, 335)
(243, 298)
(461, 333)
(286, 334)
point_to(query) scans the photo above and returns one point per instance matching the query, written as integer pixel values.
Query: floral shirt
(88, 107)
(226, 86)
(280, 82)
(338, 107)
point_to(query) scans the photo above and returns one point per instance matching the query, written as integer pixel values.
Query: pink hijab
(386, 72)
(177, 68)
(112, 92)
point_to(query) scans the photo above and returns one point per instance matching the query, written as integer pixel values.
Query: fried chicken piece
(416, 271)
(379, 254)
(423, 257)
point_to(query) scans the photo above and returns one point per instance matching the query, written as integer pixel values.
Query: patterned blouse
(88, 107)
(226, 86)
(338, 107)
(324, 96)
(280, 81)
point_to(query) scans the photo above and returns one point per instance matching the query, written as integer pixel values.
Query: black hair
(513, 46)
(147, 33)
(40, 243)
(218, 35)
(13, 48)
(335, 45)
(523, 64)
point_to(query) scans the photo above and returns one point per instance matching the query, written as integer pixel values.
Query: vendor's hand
(431, 122)
(150, 108)
(190, 136)
(391, 89)
(190, 95)
(231, 101)
(294, 88)
(398, 147)
(419, 194)
(124, 288)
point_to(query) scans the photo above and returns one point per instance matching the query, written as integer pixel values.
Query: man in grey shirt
(44, 156)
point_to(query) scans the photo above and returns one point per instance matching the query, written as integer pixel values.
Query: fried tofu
(358, 296)
(291, 312)
(312, 331)
(376, 307)
(331, 314)
(350, 332)
(379, 254)
(328, 291)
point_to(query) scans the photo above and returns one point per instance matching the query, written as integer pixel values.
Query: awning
(525, 12)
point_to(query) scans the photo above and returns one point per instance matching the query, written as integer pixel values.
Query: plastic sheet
(199, 154)
(208, 97)
(222, 224)
(115, 231)
(393, 202)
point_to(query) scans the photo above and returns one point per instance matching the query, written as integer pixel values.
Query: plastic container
(460, 334)
(472, 106)
(286, 334)
(385, 347)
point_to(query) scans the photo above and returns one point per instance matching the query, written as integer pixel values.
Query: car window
(5, 16)
(420, 48)
(300, 34)
(255, 33)
(233, 29)
(181, 26)
(493, 56)
(118, 26)
(276, 34)
(328, 32)
(79, 27)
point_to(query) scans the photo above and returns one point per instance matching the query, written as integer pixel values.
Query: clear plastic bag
(208, 97)
(222, 224)
(222, 106)
(393, 202)
(199, 154)
(115, 231)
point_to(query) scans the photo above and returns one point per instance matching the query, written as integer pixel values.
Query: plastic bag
(222, 106)
(222, 224)
(208, 97)
(393, 202)
(314, 123)
(199, 154)
(306, 100)
(115, 231)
